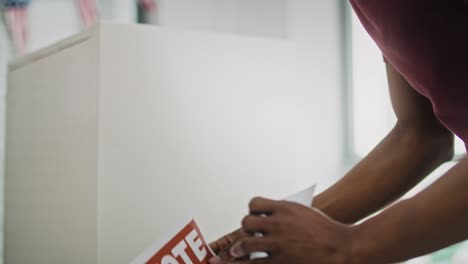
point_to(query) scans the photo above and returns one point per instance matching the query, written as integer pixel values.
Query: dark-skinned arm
(434, 219)
(416, 146)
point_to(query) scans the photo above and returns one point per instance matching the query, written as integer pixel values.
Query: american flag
(88, 11)
(16, 19)
(148, 5)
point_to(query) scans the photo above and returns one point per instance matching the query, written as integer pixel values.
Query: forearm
(396, 165)
(434, 219)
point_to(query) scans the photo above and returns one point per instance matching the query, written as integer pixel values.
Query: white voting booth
(116, 135)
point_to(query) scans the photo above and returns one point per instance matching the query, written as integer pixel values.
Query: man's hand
(222, 246)
(292, 233)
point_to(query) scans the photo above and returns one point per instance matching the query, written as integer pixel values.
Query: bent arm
(416, 146)
(434, 219)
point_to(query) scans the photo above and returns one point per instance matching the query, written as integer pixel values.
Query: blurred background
(345, 70)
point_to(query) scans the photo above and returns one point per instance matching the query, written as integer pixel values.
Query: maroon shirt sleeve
(427, 42)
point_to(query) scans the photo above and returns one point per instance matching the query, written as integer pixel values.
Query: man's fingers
(248, 245)
(215, 247)
(260, 206)
(218, 245)
(226, 241)
(256, 223)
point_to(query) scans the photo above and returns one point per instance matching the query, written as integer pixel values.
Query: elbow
(443, 147)
(435, 143)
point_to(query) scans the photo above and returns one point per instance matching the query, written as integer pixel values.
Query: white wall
(315, 26)
(251, 17)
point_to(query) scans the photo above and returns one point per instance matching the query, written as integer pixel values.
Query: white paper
(304, 197)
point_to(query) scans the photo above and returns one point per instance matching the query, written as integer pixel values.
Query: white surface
(373, 114)
(51, 159)
(223, 116)
(50, 21)
(4, 57)
(462, 255)
(265, 18)
(128, 138)
(315, 28)
(304, 197)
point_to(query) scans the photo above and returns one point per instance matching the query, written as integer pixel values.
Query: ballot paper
(304, 198)
(187, 245)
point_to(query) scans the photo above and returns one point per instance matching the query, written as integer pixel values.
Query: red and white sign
(186, 247)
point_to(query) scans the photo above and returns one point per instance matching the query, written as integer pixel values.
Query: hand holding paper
(292, 234)
(285, 230)
(223, 246)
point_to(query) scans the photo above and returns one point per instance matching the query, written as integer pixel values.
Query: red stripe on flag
(148, 5)
(88, 11)
(80, 5)
(24, 27)
(16, 20)
(91, 5)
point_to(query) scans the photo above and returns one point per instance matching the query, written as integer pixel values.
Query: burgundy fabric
(427, 42)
